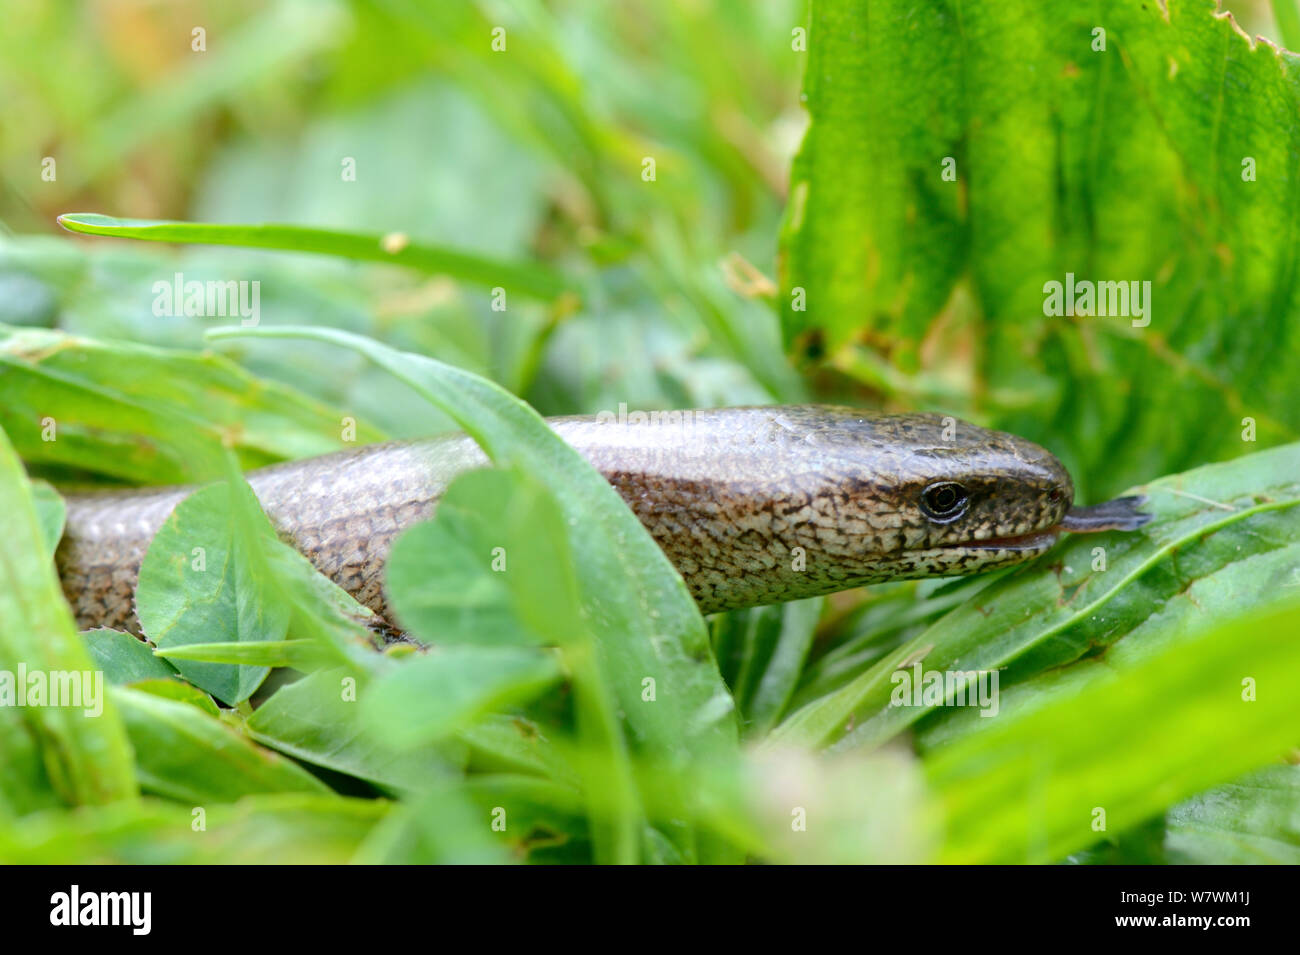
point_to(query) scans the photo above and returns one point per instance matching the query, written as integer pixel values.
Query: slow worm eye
(944, 502)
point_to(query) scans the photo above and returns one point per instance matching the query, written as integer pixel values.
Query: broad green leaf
(1177, 604)
(87, 759)
(1252, 821)
(185, 754)
(50, 513)
(961, 157)
(217, 569)
(203, 579)
(182, 692)
(513, 744)
(512, 536)
(492, 567)
(431, 697)
(1248, 821)
(1077, 598)
(440, 577)
(146, 414)
(1253, 580)
(25, 785)
(125, 658)
(525, 279)
(543, 820)
(873, 234)
(440, 826)
(316, 720)
(277, 829)
(1129, 745)
(887, 616)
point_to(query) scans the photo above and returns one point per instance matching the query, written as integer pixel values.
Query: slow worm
(752, 505)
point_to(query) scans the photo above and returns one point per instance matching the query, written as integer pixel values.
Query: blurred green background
(534, 152)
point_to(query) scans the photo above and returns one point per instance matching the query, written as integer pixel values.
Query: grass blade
(525, 278)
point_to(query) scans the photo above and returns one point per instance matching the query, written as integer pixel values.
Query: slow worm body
(751, 505)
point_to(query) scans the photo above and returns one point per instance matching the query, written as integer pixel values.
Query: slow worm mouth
(1035, 540)
(1121, 514)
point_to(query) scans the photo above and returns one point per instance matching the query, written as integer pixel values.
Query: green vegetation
(630, 204)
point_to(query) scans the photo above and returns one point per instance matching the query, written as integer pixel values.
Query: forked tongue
(1121, 514)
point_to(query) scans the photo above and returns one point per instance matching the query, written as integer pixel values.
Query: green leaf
(887, 616)
(87, 759)
(1131, 142)
(439, 827)
(1129, 744)
(873, 235)
(185, 754)
(66, 400)
(543, 819)
(25, 786)
(762, 652)
(125, 658)
(513, 744)
(1176, 605)
(440, 579)
(277, 829)
(1200, 600)
(1255, 820)
(50, 513)
(203, 577)
(316, 720)
(432, 697)
(1054, 610)
(522, 278)
(217, 568)
(170, 689)
(303, 654)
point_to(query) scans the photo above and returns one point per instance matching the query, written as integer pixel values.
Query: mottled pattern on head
(757, 505)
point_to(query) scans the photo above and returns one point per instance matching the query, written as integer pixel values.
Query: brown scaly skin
(752, 505)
